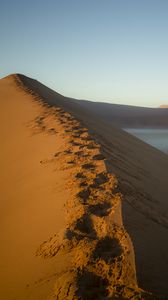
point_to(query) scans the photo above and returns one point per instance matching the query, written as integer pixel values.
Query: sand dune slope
(142, 172)
(127, 116)
(64, 178)
(49, 161)
(32, 197)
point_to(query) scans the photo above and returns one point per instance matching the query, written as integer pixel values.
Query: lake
(158, 138)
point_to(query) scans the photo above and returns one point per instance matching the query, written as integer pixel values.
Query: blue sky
(109, 50)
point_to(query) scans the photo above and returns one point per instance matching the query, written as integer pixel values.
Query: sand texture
(32, 192)
(84, 205)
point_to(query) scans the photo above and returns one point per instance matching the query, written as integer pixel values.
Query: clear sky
(103, 50)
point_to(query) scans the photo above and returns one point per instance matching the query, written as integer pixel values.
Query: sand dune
(31, 210)
(57, 154)
(127, 116)
(164, 106)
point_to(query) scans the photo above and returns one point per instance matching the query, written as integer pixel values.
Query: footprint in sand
(73, 143)
(80, 175)
(91, 286)
(84, 195)
(101, 209)
(92, 146)
(98, 157)
(107, 249)
(84, 224)
(89, 166)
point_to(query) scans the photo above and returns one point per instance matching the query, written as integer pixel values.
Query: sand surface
(142, 172)
(51, 169)
(85, 209)
(30, 210)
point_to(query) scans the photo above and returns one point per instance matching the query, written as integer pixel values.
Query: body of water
(158, 138)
